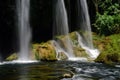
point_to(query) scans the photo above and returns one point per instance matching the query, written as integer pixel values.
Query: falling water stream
(24, 29)
(61, 28)
(85, 34)
(83, 22)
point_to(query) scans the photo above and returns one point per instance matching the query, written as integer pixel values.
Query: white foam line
(82, 59)
(18, 62)
(117, 66)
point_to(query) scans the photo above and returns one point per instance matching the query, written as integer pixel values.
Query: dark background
(41, 22)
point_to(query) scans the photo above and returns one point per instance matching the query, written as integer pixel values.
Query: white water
(18, 62)
(59, 50)
(24, 29)
(85, 34)
(93, 53)
(61, 28)
(80, 59)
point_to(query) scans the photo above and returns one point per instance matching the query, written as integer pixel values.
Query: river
(57, 70)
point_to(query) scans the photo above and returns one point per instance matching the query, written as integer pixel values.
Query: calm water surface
(55, 71)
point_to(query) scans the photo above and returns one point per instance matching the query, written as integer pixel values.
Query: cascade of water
(24, 29)
(85, 34)
(61, 28)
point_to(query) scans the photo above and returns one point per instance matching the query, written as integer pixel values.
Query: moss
(109, 47)
(37, 56)
(44, 51)
(12, 57)
(108, 58)
(74, 38)
(79, 52)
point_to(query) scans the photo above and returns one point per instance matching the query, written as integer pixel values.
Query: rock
(45, 52)
(108, 58)
(61, 56)
(79, 52)
(12, 57)
(67, 75)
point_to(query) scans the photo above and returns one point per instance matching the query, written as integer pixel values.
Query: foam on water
(0, 63)
(92, 52)
(22, 61)
(82, 59)
(18, 62)
(117, 66)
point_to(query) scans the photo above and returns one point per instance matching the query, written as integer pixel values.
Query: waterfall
(61, 28)
(85, 34)
(24, 29)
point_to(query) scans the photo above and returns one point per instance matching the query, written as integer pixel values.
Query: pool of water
(56, 70)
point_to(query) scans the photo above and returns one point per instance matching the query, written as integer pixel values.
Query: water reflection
(23, 73)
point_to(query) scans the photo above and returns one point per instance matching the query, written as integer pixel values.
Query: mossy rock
(12, 57)
(108, 58)
(45, 52)
(109, 48)
(80, 52)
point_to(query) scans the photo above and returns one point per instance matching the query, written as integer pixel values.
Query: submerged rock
(67, 75)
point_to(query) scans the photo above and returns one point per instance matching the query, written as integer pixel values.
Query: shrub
(108, 19)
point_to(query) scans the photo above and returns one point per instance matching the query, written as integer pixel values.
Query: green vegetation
(107, 25)
(107, 17)
(109, 48)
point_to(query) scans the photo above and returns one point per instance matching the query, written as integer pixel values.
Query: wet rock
(67, 75)
(62, 56)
